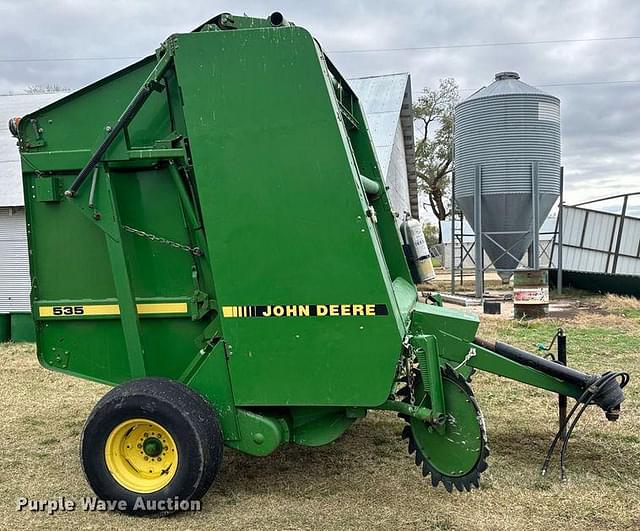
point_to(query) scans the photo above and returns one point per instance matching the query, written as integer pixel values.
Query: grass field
(365, 480)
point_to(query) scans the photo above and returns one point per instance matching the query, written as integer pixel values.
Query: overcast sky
(600, 122)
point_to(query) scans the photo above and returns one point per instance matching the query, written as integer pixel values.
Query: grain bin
(507, 148)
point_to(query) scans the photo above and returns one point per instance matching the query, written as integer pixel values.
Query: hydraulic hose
(590, 396)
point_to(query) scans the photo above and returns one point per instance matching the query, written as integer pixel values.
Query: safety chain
(196, 251)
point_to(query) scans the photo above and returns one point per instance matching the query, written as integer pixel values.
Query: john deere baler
(209, 233)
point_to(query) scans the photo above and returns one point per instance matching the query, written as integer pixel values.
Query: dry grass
(364, 480)
(621, 305)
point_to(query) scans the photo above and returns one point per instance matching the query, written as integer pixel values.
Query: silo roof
(10, 172)
(506, 83)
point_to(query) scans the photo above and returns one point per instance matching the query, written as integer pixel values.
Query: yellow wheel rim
(141, 455)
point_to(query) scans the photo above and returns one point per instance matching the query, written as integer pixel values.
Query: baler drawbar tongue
(445, 428)
(603, 390)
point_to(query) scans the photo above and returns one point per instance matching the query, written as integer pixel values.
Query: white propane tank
(418, 250)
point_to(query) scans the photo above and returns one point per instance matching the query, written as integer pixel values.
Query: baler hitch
(603, 390)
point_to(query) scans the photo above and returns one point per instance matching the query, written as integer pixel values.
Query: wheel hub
(152, 446)
(141, 455)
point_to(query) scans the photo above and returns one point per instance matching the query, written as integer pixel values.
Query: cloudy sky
(598, 82)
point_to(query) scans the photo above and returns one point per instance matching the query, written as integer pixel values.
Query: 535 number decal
(68, 310)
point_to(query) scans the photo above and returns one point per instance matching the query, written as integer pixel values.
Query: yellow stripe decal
(77, 310)
(164, 307)
(101, 309)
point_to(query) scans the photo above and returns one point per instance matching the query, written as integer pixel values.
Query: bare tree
(433, 114)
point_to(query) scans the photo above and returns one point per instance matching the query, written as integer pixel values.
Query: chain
(409, 360)
(196, 251)
(472, 352)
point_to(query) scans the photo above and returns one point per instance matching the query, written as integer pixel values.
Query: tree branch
(434, 153)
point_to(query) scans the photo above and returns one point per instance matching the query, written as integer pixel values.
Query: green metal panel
(76, 123)
(5, 327)
(285, 218)
(72, 266)
(211, 379)
(22, 327)
(453, 329)
(48, 189)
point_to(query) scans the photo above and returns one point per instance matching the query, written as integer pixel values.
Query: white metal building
(14, 258)
(389, 110)
(597, 241)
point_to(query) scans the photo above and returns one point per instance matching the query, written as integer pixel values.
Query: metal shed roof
(387, 99)
(10, 174)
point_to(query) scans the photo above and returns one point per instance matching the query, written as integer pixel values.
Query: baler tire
(178, 415)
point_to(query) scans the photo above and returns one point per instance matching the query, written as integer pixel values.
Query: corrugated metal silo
(507, 145)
